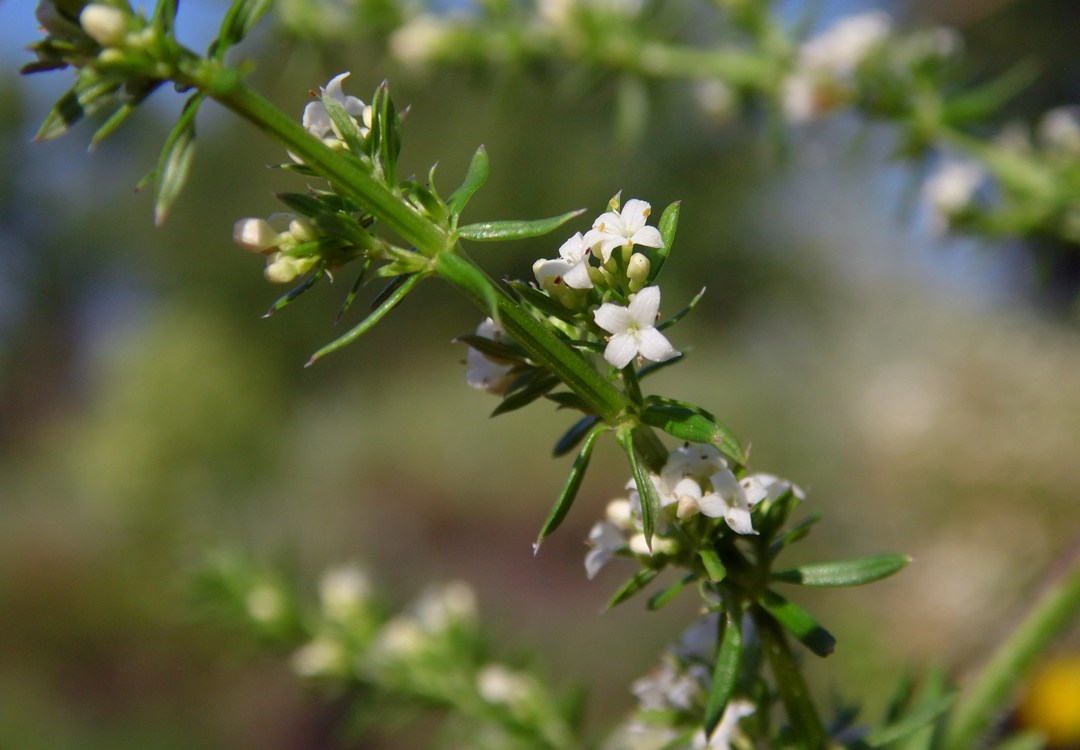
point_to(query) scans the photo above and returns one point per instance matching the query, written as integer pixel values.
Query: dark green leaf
(490, 348)
(295, 292)
(543, 303)
(661, 599)
(986, 99)
(351, 296)
(570, 489)
(725, 670)
(654, 367)
(86, 97)
(574, 435)
(640, 580)
(489, 231)
(799, 623)
(569, 400)
(683, 312)
(854, 572)
(537, 388)
(474, 180)
(669, 222)
(687, 422)
(794, 534)
(175, 161)
(650, 499)
(238, 22)
(344, 125)
(367, 323)
(913, 722)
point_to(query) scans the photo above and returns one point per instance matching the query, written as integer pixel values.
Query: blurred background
(924, 390)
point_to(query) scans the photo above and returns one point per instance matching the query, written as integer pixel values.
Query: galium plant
(584, 333)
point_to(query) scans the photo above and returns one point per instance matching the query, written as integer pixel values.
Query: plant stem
(1014, 659)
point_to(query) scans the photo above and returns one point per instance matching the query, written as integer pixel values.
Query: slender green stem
(225, 86)
(983, 698)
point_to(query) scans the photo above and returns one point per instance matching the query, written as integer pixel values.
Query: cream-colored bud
(281, 268)
(660, 546)
(302, 230)
(264, 603)
(255, 235)
(106, 25)
(637, 271)
(619, 513)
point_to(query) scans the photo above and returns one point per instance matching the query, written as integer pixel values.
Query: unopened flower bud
(106, 25)
(660, 546)
(255, 235)
(302, 230)
(281, 268)
(637, 271)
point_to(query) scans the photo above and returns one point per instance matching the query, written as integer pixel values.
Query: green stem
(992, 687)
(805, 723)
(225, 86)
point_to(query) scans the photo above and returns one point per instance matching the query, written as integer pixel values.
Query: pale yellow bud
(255, 235)
(637, 271)
(106, 25)
(281, 268)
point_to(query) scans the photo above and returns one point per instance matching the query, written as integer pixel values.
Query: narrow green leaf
(475, 178)
(574, 435)
(683, 312)
(302, 203)
(640, 580)
(854, 572)
(355, 290)
(238, 22)
(650, 499)
(661, 599)
(913, 722)
(175, 161)
(669, 222)
(934, 687)
(900, 698)
(988, 98)
(87, 96)
(507, 353)
(1027, 741)
(164, 16)
(725, 670)
(714, 566)
(799, 623)
(344, 125)
(295, 292)
(794, 534)
(687, 422)
(543, 303)
(495, 231)
(653, 367)
(570, 488)
(540, 385)
(387, 137)
(568, 400)
(367, 323)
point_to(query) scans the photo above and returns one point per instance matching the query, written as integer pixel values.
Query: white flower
(485, 373)
(633, 329)
(692, 460)
(264, 603)
(452, 604)
(499, 685)
(419, 40)
(320, 657)
(344, 591)
(612, 230)
(728, 728)
(317, 120)
(842, 47)
(732, 499)
(256, 235)
(951, 190)
(669, 687)
(572, 265)
(606, 539)
(1060, 129)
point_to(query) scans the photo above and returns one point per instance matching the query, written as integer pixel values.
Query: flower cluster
(317, 120)
(679, 686)
(282, 238)
(695, 481)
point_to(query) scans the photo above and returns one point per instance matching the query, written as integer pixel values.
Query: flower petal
(644, 306)
(613, 318)
(621, 349)
(647, 236)
(653, 345)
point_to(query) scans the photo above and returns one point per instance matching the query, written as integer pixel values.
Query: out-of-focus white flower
(692, 460)
(1060, 129)
(416, 42)
(800, 98)
(317, 120)
(344, 591)
(605, 539)
(555, 12)
(633, 329)
(661, 545)
(572, 265)
(485, 373)
(612, 230)
(732, 499)
(502, 686)
(618, 512)
(106, 25)
(951, 190)
(668, 687)
(264, 603)
(716, 99)
(840, 49)
(728, 728)
(400, 638)
(445, 606)
(321, 657)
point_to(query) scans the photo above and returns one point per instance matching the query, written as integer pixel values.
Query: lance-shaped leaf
(569, 400)
(799, 623)
(541, 383)
(475, 178)
(661, 599)
(984, 100)
(921, 717)
(175, 162)
(669, 222)
(725, 669)
(854, 572)
(123, 112)
(570, 489)
(497, 231)
(714, 566)
(795, 534)
(683, 312)
(545, 304)
(650, 498)
(164, 17)
(574, 435)
(653, 367)
(292, 294)
(367, 323)
(354, 291)
(89, 94)
(385, 139)
(239, 20)
(344, 124)
(497, 350)
(637, 582)
(688, 422)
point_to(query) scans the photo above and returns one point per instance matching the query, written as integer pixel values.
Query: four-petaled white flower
(572, 265)
(317, 120)
(633, 329)
(606, 539)
(732, 499)
(728, 728)
(612, 230)
(485, 373)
